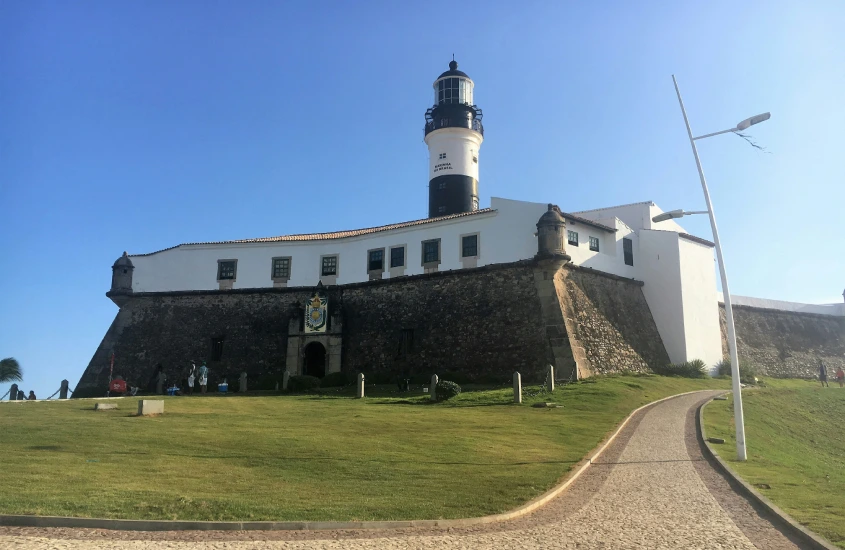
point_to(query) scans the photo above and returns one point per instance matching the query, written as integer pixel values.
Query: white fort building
(676, 269)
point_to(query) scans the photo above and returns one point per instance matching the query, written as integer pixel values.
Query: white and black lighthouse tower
(453, 133)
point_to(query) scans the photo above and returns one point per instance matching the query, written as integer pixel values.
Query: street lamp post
(729, 318)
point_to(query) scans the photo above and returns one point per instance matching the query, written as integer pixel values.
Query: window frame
(404, 250)
(370, 253)
(569, 234)
(234, 276)
(629, 253)
(462, 247)
(595, 241)
(323, 259)
(435, 262)
(282, 278)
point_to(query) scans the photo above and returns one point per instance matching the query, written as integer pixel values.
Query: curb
(178, 525)
(812, 540)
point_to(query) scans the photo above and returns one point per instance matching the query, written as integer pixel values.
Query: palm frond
(10, 370)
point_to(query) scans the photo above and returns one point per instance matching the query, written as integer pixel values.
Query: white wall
(659, 267)
(822, 309)
(505, 235)
(459, 145)
(703, 339)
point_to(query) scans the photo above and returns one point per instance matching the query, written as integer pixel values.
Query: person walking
(192, 374)
(203, 377)
(823, 374)
(840, 376)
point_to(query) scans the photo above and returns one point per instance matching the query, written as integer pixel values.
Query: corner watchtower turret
(453, 133)
(121, 280)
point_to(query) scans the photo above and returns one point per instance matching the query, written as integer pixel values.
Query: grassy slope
(796, 446)
(308, 457)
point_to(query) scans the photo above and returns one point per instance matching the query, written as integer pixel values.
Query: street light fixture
(739, 418)
(672, 214)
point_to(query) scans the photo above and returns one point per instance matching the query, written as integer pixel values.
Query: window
(329, 265)
(475, 203)
(431, 251)
(442, 156)
(572, 237)
(454, 90)
(628, 250)
(397, 256)
(407, 345)
(216, 348)
(375, 260)
(441, 209)
(441, 185)
(594, 244)
(469, 246)
(226, 269)
(281, 268)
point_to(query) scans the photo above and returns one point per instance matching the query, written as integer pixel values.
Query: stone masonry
(478, 324)
(786, 344)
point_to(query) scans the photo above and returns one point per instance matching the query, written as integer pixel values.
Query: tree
(10, 370)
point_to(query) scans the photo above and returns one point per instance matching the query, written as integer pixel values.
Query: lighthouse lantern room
(453, 133)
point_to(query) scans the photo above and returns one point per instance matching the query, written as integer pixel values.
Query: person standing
(840, 376)
(823, 374)
(31, 396)
(203, 377)
(192, 374)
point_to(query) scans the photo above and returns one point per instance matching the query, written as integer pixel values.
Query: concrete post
(433, 389)
(63, 390)
(359, 391)
(285, 380)
(13, 393)
(243, 382)
(517, 388)
(551, 377)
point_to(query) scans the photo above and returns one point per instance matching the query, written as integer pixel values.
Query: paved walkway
(651, 489)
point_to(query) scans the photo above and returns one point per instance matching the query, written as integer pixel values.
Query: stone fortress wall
(483, 323)
(786, 344)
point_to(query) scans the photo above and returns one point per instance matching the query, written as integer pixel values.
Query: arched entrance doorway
(315, 360)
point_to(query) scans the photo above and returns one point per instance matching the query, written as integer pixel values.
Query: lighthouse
(453, 133)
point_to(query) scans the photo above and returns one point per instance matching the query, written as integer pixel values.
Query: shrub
(447, 390)
(336, 380)
(690, 369)
(747, 372)
(303, 383)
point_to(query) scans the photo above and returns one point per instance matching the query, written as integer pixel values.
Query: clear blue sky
(140, 125)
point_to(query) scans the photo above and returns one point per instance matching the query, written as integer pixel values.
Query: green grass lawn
(309, 457)
(795, 437)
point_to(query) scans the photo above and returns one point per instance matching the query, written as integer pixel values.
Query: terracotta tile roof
(695, 239)
(332, 235)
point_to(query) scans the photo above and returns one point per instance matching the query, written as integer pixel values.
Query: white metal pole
(739, 418)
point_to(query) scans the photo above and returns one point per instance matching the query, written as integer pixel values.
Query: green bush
(447, 390)
(747, 372)
(303, 383)
(690, 369)
(336, 380)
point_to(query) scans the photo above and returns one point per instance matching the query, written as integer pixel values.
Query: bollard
(433, 389)
(285, 380)
(63, 390)
(517, 388)
(13, 393)
(359, 391)
(243, 382)
(551, 377)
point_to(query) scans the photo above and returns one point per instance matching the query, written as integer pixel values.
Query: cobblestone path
(652, 488)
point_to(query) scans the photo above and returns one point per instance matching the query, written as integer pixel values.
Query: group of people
(840, 375)
(201, 373)
(20, 396)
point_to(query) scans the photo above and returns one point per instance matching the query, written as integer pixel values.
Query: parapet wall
(482, 324)
(786, 344)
